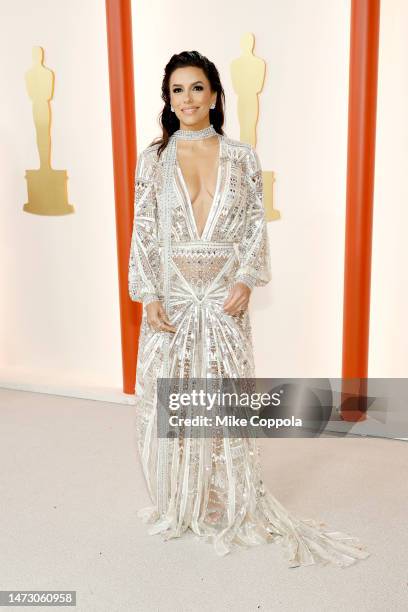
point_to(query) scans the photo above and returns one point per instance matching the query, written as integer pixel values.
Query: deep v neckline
(188, 197)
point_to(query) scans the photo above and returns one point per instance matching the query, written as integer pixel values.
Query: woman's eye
(176, 89)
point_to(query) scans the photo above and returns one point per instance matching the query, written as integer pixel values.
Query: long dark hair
(167, 119)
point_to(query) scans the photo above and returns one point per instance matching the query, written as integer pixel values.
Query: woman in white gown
(199, 247)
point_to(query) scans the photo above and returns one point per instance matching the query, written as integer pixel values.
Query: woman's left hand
(238, 299)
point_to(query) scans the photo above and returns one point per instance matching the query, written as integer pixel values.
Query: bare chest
(199, 172)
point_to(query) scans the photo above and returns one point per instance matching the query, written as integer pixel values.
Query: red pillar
(364, 40)
(120, 58)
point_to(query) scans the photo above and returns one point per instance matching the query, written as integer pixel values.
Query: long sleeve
(254, 256)
(144, 259)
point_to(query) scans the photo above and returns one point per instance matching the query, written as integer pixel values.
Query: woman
(199, 247)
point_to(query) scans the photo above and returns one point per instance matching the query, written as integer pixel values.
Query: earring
(212, 106)
(172, 109)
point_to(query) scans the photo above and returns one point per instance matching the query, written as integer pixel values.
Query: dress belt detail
(201, 243)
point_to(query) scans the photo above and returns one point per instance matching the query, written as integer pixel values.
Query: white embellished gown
(212, 487)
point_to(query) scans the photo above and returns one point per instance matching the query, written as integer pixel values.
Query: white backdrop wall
(389, 291)
(60, 306)
(60, 310)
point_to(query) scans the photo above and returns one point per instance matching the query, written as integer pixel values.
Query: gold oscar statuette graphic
(47, 188)
(248, 75)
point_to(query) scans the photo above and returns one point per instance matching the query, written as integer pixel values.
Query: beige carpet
(71, 485)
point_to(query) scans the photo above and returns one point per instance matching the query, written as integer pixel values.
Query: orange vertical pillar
(120, 58)
(364, 41)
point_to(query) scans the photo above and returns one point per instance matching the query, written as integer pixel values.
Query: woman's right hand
(157, 317)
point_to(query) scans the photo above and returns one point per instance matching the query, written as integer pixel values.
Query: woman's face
(191, 97)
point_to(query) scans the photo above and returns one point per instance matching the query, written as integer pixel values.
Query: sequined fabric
(212, 486)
